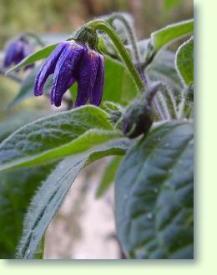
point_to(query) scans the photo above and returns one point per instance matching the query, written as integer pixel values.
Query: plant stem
(129, 31)
(103, 26)
(132, 41)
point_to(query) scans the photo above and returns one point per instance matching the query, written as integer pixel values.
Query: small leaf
(108, 176)
(26, 89)
(36, 56)
(171, 33)
(154, 195)
(51, 194)
(57, 136)
(185, 62)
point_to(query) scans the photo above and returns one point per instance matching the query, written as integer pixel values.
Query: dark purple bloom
(16, 51)
(73, 62)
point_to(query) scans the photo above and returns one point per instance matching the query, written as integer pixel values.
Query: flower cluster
(16, 50)
(73, 62)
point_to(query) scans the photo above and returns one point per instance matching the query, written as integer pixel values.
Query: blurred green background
(62, 16)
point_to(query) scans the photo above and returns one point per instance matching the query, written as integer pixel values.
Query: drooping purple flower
(73, 62)
(16, 50)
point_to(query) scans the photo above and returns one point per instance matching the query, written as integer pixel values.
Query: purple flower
(73, 62)
(16, 50)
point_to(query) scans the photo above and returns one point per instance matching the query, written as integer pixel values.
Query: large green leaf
(51, 194)
(154, 195)
(185, 62)
(56, 137)
(172, 32)
(16, 120)
(16, 191)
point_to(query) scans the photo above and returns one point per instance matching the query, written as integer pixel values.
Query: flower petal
(97, 91)
(10, 53)
(47, 68)
(65, 71)
(87, 77)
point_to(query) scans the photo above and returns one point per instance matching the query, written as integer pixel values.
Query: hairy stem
(132, 41)
(103, 26)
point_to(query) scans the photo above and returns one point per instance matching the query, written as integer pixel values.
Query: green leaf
(118, 86)
(56, 137)
(154, 195)
(14, 121)
(170, 4)
(36, 56)
(185, 62)
(16, 191)
(26, 89)
(52, 193)
(108, 176)
(163, 68)
(172, 32)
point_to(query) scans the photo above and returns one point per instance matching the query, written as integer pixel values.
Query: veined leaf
(154, 195)
(16, 191)
(185, 62)
(57, 136)
(13, 122)
(50, 196)
(171, 33)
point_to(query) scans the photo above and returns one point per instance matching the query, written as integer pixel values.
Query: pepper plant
(133, 101)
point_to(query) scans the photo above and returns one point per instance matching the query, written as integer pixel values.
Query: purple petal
(48, 68)
(12, 55)
(19, 52)
(87, 77)
(97, 92)
(65, 71)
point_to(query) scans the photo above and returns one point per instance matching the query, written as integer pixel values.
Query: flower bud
(137, 119)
